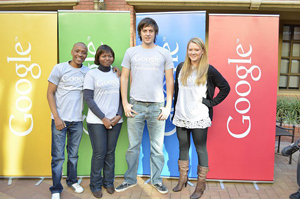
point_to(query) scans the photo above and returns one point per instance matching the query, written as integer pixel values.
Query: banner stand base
(9, 181)
(40, 181)
(191, 184)
(80, 179)
(148, 180)
(222, 185)
(254, 183)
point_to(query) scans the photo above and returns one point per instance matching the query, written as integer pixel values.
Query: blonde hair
(202, 67)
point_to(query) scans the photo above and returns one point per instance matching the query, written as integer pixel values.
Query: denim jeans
(147, 111)
(73, 132)
(104, 143)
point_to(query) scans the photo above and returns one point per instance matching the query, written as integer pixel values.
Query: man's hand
(107, 123)
(59, 124)
(165, 112)
(115, 120)
(117, 70)
(128, 111)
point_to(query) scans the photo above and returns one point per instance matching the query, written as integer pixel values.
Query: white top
(190, 111)
(69, 92)
(106, 86)
(147, 72)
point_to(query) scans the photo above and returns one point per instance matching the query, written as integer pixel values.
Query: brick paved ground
(284, 176)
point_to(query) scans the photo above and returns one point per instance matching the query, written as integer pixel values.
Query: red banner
(241, 141)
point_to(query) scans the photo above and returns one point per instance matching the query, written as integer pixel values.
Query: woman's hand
(165, 112)
(115, 120)
(117, 70)
(107, 123)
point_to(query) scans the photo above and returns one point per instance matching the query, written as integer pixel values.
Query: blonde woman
(195, 85)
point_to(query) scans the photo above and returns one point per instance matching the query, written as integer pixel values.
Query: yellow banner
(28, 54)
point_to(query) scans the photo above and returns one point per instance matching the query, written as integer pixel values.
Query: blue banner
(175, 30)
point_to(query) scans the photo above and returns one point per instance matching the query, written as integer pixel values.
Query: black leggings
(199, 137)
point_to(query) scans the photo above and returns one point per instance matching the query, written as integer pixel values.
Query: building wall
(118, 5)
(84, 5)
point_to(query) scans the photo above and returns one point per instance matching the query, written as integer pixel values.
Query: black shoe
(289, 150)
(124, 186)
(97, 194)
(161, 188)
(295, 195)
(110, 190)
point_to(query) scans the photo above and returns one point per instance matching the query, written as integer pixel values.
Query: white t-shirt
(190, 111)
(69, 95)
(147, 72)
(106, 86)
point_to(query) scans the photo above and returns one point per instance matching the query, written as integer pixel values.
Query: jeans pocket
(159, 104)
(132, 101)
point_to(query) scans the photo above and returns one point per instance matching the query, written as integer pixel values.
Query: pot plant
(288, 110)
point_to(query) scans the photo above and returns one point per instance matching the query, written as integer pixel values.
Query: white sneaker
(77, 188)
(55, 196)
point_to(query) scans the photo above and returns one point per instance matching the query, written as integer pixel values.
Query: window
(290, 59)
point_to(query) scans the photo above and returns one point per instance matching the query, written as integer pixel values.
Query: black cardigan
(214, 79)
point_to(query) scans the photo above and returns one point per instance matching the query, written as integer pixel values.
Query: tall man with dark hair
(147, 64)
(65, 98)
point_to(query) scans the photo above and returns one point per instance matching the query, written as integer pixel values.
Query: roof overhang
(37, 4)
(264, 5)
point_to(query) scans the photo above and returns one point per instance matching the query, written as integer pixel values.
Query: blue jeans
(147, 111)
(74, 133)
(104, 143)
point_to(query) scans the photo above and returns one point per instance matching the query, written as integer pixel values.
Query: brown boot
(183, 166)
(202, 172)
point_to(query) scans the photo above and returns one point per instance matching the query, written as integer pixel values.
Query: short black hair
(145, 23)
(81, 43)
(103, 49)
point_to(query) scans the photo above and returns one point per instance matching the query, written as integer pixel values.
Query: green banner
(95, 28)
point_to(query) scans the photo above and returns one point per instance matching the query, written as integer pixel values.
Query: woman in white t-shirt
(195, 85)
(104, 119)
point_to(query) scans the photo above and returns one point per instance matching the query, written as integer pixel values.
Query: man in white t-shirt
(65, 98)
(147, 64)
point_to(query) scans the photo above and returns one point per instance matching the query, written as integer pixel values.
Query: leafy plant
(288, 109)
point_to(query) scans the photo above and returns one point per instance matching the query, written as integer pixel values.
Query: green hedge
(288, 108)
